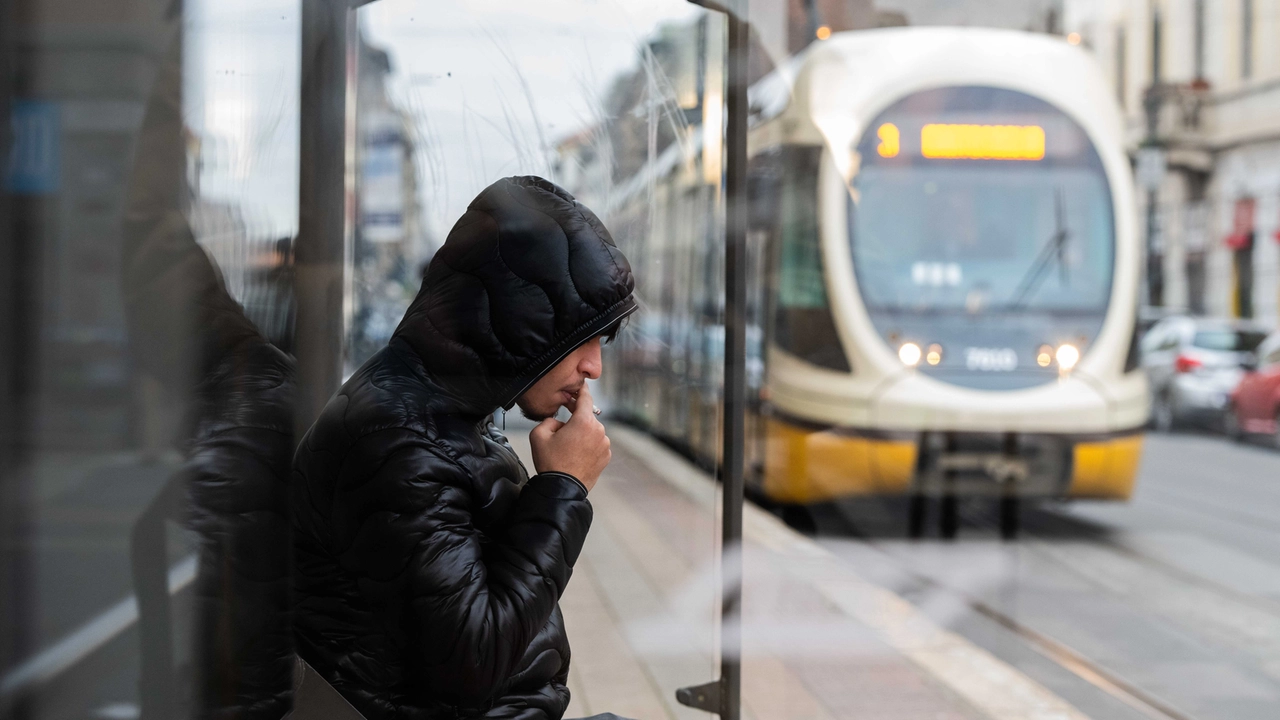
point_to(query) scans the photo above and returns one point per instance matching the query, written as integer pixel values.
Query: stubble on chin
(534, 415)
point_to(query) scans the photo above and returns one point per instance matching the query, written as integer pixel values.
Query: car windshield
(1229, 340)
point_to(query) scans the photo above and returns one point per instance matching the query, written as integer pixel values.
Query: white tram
(947, 266)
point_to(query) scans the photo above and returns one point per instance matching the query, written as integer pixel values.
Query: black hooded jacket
(428, 566)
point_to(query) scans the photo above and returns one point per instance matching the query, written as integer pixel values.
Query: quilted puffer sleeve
(237, 484)
(467, 604)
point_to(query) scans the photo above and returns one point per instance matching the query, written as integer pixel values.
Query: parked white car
(1192, 366)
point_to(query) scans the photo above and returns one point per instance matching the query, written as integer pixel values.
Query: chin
(537, 414)
(530, 415)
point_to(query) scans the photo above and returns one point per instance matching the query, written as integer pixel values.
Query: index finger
(583, 405)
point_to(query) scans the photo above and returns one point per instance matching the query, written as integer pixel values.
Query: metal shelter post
(19, 326)
(723, 696)
(322, 250)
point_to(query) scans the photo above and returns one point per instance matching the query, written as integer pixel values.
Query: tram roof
(910, 56)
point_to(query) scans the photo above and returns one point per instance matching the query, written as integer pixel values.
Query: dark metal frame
(723, 696)
(324, 244)
(18, 325)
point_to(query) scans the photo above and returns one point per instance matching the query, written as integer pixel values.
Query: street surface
(83, 656)
(1165, 607)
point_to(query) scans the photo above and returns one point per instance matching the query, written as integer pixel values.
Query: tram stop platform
(819, 642)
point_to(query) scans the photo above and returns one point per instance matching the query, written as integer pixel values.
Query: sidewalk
(819, 643)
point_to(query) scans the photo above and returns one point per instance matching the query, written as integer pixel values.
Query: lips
(571, 395)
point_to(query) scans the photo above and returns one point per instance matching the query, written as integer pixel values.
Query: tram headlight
(1067, 356)
(934, 356)
(909, 354)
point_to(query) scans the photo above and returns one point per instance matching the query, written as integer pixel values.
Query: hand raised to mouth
(578, 447)
(573, 403)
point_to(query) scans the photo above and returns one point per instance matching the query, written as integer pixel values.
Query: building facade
(1199, 82)
(389, 243)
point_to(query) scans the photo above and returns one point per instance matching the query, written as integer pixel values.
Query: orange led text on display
(981, 142)
(889, 140)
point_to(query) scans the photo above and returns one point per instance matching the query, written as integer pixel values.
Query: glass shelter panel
(608, 104)
(150, 211)
(297, 297)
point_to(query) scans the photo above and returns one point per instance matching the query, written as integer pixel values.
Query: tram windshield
(980, 200)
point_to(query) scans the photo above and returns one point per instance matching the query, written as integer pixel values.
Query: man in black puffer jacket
(428, 565)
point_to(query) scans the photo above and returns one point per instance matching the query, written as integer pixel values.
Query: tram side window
(802, 322)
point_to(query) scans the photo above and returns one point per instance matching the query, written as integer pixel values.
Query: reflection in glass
(189, 333)
(957, 303)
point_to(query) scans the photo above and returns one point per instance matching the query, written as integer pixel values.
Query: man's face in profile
(560, 386)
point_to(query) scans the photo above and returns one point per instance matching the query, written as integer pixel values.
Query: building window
(1196, 276)
(1196, 241)
(1157, 47)
(1122, 52)
(1241, 242)
(1199, 40)
(1246, 39)
(802, 321)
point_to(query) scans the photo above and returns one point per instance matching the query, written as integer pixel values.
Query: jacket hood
(526, 276)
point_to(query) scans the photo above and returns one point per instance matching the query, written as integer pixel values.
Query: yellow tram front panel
(1105, 469)
(805, 465)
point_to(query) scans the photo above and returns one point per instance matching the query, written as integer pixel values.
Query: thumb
(547, 427)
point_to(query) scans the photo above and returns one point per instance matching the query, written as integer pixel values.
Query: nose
(589, 364)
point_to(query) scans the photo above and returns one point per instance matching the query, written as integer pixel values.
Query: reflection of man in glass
(428, 566)
(215, 360)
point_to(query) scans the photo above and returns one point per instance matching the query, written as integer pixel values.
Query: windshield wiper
(1054, 250)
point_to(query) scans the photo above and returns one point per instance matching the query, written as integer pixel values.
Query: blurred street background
(1014, 422)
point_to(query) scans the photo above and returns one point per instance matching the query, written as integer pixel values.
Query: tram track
(1082, 667)
(1095, 674)
(1046, 529)
(1207, 509)
(1189, 578)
